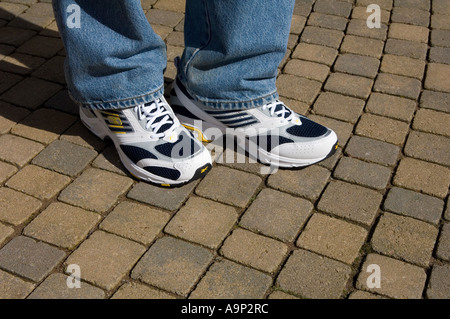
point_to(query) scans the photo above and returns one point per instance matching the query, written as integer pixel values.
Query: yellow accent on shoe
(203, 170)
(165, 185)
(200, 136)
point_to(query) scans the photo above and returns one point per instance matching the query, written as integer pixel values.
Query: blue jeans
(232, 52)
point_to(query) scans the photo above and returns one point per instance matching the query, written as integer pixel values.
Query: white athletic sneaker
(272, 133)
(151, 143)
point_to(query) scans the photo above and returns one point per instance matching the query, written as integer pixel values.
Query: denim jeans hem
(122, 103)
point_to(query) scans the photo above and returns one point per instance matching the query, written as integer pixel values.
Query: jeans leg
(233, 49)
(114, 58)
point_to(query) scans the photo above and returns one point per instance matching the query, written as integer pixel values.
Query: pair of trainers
(155, 146)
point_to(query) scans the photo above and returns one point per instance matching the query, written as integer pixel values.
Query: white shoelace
(279, 109)
(157, 115)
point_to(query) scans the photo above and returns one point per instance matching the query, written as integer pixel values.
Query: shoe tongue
(152, 109)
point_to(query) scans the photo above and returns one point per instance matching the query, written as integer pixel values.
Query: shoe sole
(134, 170)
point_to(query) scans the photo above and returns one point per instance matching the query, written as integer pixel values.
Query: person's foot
(272, 133)
(151, 143)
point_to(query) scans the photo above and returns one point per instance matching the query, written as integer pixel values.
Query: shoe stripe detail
(165, 172)
(229, 122)
(120, 129)
(135, 153)
(231, 116)
(243, 124)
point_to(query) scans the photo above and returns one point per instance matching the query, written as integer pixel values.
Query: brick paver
(381, 199)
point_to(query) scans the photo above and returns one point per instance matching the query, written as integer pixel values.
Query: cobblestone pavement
(381, 200)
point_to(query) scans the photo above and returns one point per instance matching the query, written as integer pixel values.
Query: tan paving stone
(309, 70)
(85, 190)
(55, 287)
(428, 147)
(171, 5)
(424, 177)
(362, 173)
(391, 106)
(441, 6)
(280, 295)
(419, 4)
(298, 88)
(411, 49)
(404, 238)
(362, 14)
(62, 225)
(38, 182)
(408, 32)
(362, 46)
(166, 198)
(6, 171)
(413, 204)
(359, 28)
(331, 161)
(307, 182)
(5, 232)
(297, 24)
(10, 115)
(13, 287)
(132, 290)
(342, 129)
(342, 9)
(403, 66)
(203, 221)
(105, 259)
(276, 214)
(41, 9)
(384, 4)
(359, 294)
(398, 85)
(254, 250)
(29, 258)
(315, 53)
(398, 279)
(372, 150)
(18, 150)
(350, 201)
(357, 65)
(303, 7)
(44, 125)
(135, 221)
(440, 21)
(16, 207)
(164, 17)
(437, 77)
(339, 106)
(439, 285)
(162, 31)
(173, 265)
(228, 280)
(313, 276)
(333, 238)
(382, 128)
(229, 186)
(347, 84)
(327, 21)
(11, 10)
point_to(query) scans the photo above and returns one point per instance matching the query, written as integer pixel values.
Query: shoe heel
(92, 124)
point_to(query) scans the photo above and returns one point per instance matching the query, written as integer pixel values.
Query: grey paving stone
(404, 238)
(443, 249)
(326, 37)
(410, 15)
(359, 28)
(357, 65)
(228, 280)
(81, 135)
(439, 101)
(333, 7)
(413, 204)
(428, 147)
(31, 92)
(62, 102)
(298, 88)
(297, 24)
(327, 21)
(391, 106)
(440, 55)
(398, 279)
(13, 287)
(439, 284)
(316, 53)
(440, 21)
(338, 106)
(8, 80)
(164, 17)
(372, 150)
(45, 47)
(440, 6)
(440, 38)
(29, 258)
(20, 63)
(359, 294)
(166, 198)
(398, 85)
(384, 4)
(277, 215)
(173, 265)
(84, 191)
(308, 182)
(362, 14)
(132, 290)
(52, 70)
(347, 84)
(362, 173)
(229, 186)
(420, 4)
(313, 276)
(55, 287)
(350, 201)
(406, 48)
(65, 157)
(303, 7)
